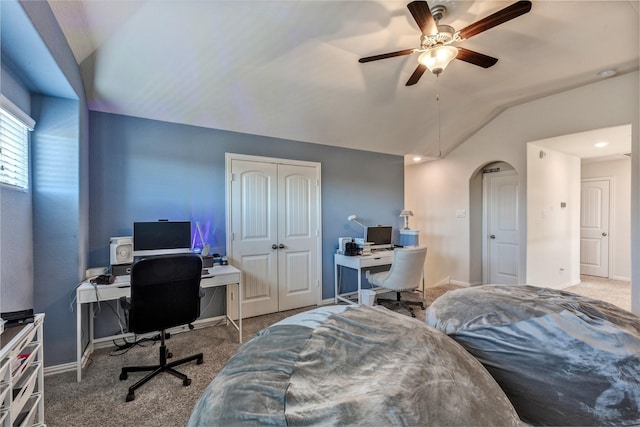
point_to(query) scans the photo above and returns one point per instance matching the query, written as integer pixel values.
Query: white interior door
(254, 229)
(502, 231)
(297, 237)
(594, 228)
(274, 234)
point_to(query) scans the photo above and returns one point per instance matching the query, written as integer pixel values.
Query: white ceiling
(289, 69)
(600, 144)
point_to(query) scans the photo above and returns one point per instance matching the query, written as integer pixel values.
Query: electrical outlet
(461, 213)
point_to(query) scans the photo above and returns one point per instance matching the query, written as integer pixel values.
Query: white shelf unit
(21, 375)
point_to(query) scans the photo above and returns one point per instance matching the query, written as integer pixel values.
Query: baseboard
(59, 369)
(107, 342)
(445, 281)
(459, 283)
(620, 278)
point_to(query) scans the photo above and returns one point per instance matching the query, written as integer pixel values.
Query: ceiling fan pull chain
(438, 102)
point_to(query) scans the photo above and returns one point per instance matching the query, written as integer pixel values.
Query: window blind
(14, 146)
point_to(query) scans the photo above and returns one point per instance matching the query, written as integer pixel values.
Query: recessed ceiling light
(600, 144)
(607, 73)
(417, 158)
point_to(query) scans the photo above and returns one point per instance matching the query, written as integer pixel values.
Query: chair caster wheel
(186, 382)
(169, 355)
(199, 362)
(130, 396)
(123, 376)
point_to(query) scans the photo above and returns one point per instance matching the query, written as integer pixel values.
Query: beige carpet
(99, 400)
(615, 292)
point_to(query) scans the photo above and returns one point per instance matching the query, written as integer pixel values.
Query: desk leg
(359, 284)
(335, 281)
(240, 309)
(78, 340)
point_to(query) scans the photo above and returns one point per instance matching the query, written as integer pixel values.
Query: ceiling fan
(436, 49)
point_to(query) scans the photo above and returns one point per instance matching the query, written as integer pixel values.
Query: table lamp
(406, 214)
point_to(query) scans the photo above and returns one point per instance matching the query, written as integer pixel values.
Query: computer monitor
(161, 237)
(379, 236)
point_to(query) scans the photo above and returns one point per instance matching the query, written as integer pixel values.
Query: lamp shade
(437, 58)
(406, 213)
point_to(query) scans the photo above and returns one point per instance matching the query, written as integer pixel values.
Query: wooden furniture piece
(21, 374)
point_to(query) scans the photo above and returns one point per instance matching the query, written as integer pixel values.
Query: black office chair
(165, 292)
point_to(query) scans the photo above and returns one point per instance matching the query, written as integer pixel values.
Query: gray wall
(145, 170)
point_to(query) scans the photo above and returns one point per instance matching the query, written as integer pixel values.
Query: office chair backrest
(406, 269)
(164, 292)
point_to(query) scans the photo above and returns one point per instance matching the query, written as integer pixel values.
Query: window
(14, 145)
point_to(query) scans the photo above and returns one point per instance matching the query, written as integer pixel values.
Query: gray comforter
(351, 365)
(561, 358)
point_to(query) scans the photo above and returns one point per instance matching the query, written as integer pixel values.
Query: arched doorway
(494, 224)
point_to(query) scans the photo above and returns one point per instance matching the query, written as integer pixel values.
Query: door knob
(604, 234)
(493, 236)
(274, 246)
(281, 246)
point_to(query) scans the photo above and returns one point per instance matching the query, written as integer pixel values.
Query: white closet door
(274, 224)
(297, 236)
(254, 227)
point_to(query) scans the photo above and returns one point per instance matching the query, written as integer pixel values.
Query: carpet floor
(99, 399)
(616, 292)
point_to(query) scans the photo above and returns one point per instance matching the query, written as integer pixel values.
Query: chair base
(163, 366)
(403, 303)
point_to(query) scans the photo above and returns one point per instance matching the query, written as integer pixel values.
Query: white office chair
(405, 275)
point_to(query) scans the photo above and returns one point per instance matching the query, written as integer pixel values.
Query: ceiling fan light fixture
(437, 58)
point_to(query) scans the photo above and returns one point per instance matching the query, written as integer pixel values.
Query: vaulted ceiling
(289, 69)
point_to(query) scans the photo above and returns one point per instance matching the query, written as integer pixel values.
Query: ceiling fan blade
(475, 58)
(422, 14)
(386, 55)
(419, 71)
(500, 17)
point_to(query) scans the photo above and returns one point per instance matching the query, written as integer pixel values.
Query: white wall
(435, 190)
(620, 220)
(553, 231)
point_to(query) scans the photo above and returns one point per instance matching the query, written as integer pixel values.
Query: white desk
(358, 263)
(87, 293)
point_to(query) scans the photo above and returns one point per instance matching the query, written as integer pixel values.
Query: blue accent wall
(143, 170)
(95, 173)
(39, 58)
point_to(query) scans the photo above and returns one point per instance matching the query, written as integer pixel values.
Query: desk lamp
(353, 218)
(406, 214)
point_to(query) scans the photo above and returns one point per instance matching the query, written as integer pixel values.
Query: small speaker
(121, 250)
(121, 270)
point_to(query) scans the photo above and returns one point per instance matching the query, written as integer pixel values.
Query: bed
(561, 358)
(352, 365)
